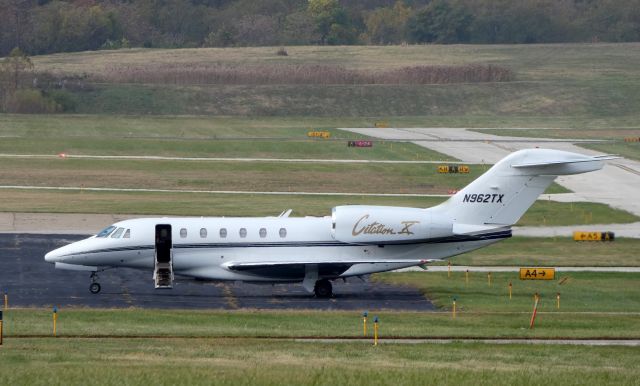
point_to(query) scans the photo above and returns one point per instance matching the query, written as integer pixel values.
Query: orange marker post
(535, 310)
(55, 319)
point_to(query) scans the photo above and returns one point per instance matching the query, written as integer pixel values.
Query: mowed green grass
(174, 127)
(554, 252)
(592, 305)
(596, 292)
(273, 362)
(135, 346)
(625, 149)
(222, 148)
(613, 138)
(233, 176)
(249, 205)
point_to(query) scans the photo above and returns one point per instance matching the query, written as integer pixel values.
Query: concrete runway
(31, 282)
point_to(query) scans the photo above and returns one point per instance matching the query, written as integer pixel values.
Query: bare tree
(14, 65)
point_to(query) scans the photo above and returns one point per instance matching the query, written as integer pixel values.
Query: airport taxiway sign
(537, 273)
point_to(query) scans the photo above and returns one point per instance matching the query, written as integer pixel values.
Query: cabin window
(106, 231)
(263, 232)
(223, 233)
(117, 233)
(183, 232)
(283, 232)
(203, 232)
(243, 232)
(127, 234)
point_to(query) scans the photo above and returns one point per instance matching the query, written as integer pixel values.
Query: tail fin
(503, 194)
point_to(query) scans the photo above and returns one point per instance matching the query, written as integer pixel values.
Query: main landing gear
(323, 289)
(94, 288)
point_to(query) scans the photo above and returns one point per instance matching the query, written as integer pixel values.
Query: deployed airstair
(163, 268)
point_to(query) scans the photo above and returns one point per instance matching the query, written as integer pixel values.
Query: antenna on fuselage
(285, 213)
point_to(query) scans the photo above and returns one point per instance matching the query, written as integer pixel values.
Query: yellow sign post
(454, 308)
(537, 273)
(510, 290)
(466, 277)
(558, 300)
(489, 278)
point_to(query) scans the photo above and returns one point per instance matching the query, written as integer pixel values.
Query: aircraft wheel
(323, 289)
(94, 288)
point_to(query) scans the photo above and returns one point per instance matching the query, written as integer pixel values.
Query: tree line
(45, 26)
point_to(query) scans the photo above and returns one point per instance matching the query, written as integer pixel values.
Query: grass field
(554, 251)
(243, 148)
(581, 292)
(269, 362)
(246, 176)
(133, 346)
(542, 213)
(592, 305)
(626, 149)
(614, 136)
(562, 85)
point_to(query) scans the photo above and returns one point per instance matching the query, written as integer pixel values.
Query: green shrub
(64, 99)
(30, 101)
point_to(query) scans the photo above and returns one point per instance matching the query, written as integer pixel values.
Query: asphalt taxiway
(29, 281)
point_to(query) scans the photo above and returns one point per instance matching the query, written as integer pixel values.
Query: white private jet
(356, 240)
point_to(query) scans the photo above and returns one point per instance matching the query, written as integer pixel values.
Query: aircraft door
(163, 267)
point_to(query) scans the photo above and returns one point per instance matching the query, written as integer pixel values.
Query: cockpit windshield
(106, 231)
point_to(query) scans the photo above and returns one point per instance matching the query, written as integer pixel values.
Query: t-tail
(499, 197)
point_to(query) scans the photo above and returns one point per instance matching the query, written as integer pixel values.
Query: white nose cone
(52, 256)
(60, 254)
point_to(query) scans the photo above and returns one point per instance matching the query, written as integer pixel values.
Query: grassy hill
(561, 85)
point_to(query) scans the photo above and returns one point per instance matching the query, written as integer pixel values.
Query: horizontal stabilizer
(566, 161)
(467, 229)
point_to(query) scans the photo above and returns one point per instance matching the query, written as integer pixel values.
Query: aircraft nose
(53, 256)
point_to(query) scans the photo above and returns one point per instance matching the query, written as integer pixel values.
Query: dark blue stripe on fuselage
(300, 244)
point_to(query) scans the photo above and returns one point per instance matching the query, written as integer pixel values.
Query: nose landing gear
(323, 289)
(94, 288)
